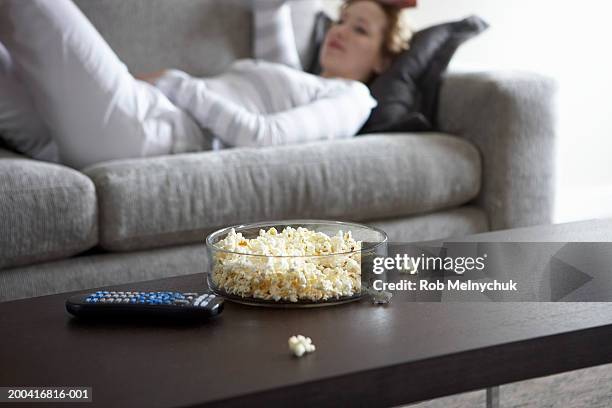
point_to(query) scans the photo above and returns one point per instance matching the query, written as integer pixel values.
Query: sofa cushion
(177, 199)
(407, 92)
(47, 211)
(190, 35)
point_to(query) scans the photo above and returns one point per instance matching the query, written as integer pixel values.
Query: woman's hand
(400, 3)
(151, 77)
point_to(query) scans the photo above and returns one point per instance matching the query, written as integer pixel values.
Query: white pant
(94, 108)
(21, 128)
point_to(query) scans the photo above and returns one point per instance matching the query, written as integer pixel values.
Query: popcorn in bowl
(296, 264)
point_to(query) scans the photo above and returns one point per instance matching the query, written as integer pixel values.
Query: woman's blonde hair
(397, 34)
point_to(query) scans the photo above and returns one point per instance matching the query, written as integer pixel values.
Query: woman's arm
(274, 39)
(339, 111)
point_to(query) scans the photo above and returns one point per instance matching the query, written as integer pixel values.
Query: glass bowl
(288, 280)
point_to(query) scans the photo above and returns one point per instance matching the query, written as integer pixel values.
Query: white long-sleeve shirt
(259, 103)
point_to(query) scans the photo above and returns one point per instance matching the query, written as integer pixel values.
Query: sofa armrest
(509, 117)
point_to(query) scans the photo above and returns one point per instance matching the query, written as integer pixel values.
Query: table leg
(493, 397)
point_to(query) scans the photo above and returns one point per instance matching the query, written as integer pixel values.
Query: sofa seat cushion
(47, 211)
(178, 199)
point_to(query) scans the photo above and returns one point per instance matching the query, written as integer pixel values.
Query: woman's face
(353, 46)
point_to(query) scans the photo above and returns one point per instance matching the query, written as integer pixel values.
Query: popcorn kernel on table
(300, 345)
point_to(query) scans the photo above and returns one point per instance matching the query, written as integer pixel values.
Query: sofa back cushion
(198, 36)
(172, 200)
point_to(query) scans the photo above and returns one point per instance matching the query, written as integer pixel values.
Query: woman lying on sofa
(96, 110)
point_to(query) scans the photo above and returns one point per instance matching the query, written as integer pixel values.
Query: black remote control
(168, 305)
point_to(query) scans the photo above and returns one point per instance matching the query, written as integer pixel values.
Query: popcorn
(296, 265)
(299, 345)
(408, 268)
(381, 297)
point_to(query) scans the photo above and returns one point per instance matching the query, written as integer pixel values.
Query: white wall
(569, 41)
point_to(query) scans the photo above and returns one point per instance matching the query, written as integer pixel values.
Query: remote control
(170, 305)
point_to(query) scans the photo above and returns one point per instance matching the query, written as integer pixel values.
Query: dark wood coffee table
(366, 355)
